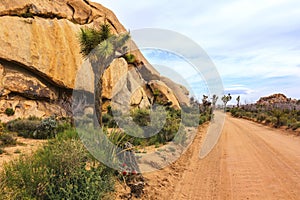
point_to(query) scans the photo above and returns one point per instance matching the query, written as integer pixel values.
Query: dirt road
(250, 161)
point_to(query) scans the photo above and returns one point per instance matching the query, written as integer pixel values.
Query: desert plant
(278, 114)
(295, 125)
(46, 129)
(238, 101)
(225, 100)
(261, 117)
(7, 139)
(109, 121)
(214, 100)
(63, 169)
(17, 151)
(34, 118)
(9, 111)
(100, 46)
(23, 127)
(130, 58)
(141, 116)
(2, 127)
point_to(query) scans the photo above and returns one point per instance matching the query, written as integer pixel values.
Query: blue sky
(255, 45)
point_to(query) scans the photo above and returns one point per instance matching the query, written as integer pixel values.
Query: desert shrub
(2, 127)
(23, 127)
(26, 15)
(295, 126)
(233, 111)
(34, 118)
(7, 139)
(46, 129)
(63, 124)
(63, 169)
(67, 134)
(141, 116)
(38, 129)
(109, 121)
(277, 115)
(270, 120)
(130, 58)
(261, 117)
(1, 152)
(170, 128)
(283, 121)
(202, 119)
(9, 111)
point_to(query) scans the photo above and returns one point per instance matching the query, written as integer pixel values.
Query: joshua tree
(225, 100)
(214, 100)
(238, 101)
(101, 47)
(205, 102)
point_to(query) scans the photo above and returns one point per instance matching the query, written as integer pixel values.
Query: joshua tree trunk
(98, 101)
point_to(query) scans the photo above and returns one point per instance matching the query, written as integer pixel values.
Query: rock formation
(275, 99)
(40, 60)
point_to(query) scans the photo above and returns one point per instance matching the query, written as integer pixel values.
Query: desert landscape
(91, 109)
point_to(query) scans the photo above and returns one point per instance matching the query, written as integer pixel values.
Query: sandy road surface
(250, 161)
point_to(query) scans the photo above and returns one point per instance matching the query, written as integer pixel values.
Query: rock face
(181, 93)
(163, 94)
(40, 59)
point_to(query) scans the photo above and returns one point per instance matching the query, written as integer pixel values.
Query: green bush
(261, 117)
(270, 120)
(38, 129)
(2, 127)
(9, 112)
(63, 169)
(70, 133)
(141, 116)
(202, 119)
(295, 126)
(283, 121)
(34, 118)
(27, 15)
(130, 58)
(276, 115)
(23, 127)
(7, 140)
(47, 129)
(109, 121)
(1, 152)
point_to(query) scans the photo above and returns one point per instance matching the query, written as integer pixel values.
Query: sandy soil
(24, 147)
(250, 161)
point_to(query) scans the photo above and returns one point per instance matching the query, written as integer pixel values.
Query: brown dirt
(24, 147)
(250, 161)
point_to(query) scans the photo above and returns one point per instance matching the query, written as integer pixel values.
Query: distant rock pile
(275, 99)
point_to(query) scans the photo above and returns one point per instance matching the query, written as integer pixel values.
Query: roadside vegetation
(62, 169)
(276, 115)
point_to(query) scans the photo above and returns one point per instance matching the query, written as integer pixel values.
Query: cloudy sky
(254, 45)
